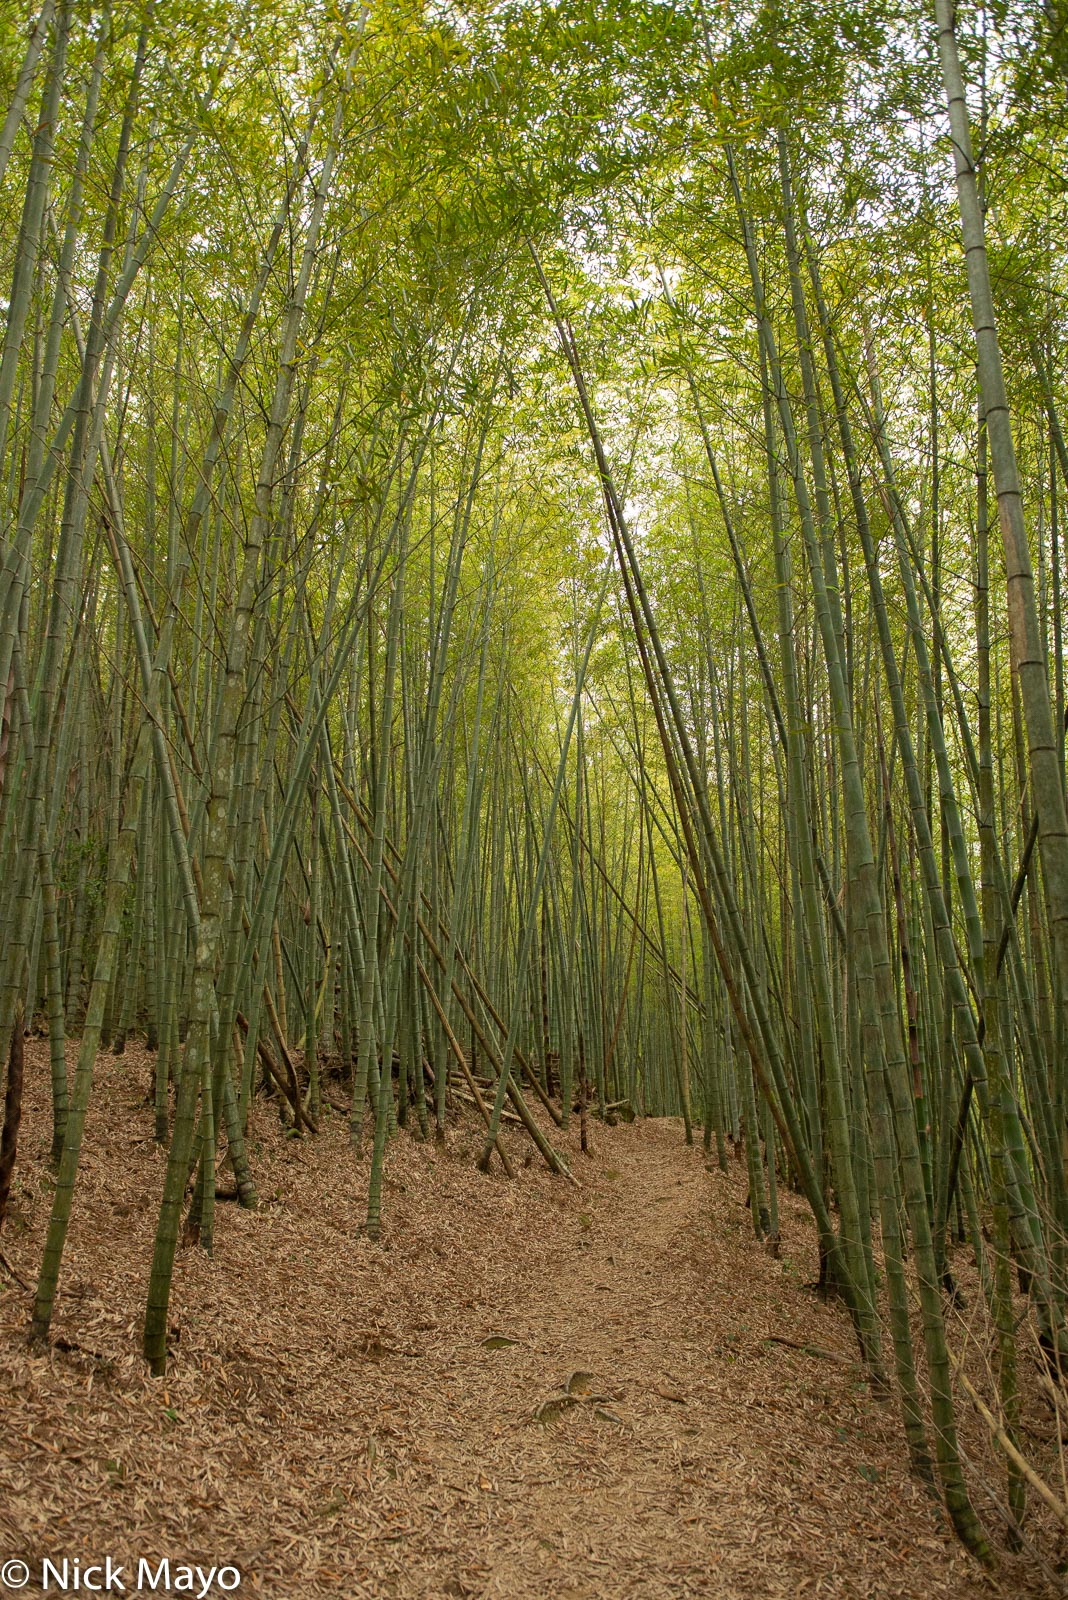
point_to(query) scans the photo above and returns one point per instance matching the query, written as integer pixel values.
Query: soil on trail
(526, 1389)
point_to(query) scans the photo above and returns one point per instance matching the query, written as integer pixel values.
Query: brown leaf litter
(524, 1390)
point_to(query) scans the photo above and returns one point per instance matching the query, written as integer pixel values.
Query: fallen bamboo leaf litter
(720, 1495)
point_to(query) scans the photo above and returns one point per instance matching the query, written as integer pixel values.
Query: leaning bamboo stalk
(890, 1101)
(1028, 652)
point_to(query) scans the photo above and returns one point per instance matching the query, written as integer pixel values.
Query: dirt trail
(701, 1459)
(349, 1419)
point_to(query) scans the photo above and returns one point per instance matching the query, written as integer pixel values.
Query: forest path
(698, 1457)
(341, 1419)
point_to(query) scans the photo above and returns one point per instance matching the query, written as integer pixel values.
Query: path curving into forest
(697, 1457)
(350, 1419)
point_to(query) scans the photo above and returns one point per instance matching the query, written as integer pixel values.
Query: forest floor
(348, 1419)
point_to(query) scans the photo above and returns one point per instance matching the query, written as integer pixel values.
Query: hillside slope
(344, 1418)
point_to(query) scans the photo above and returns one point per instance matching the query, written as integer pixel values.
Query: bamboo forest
(533, 807)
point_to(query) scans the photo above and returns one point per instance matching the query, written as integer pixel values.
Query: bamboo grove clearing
(532, 590)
